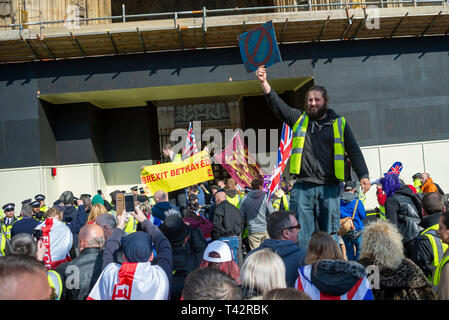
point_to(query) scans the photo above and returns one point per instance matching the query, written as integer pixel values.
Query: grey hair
(26, 211)
(382, 243)
(24, 244)
(172, 212)
(97, 242)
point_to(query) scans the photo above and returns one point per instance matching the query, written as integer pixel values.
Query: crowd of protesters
(225, 243)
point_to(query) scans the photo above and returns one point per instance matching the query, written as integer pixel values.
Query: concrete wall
(427, 156)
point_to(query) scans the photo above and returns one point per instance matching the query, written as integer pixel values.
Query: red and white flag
(190, 148)
(58, 239)
(131, 281)
(284, 152)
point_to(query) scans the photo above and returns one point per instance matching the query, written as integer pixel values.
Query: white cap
(221, 248)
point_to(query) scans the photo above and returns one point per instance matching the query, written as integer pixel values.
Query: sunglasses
(297, 227)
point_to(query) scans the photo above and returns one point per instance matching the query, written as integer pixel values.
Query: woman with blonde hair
(97, 210)
(395, 277)
(261, 272)
(327, 276)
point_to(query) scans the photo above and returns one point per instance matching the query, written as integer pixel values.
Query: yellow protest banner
(177, 175)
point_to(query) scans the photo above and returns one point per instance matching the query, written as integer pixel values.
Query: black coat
(88, 266)
(228, 221)
(401, 210)
(186, 258)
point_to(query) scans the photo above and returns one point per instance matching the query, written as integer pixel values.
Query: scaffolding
(310, 21)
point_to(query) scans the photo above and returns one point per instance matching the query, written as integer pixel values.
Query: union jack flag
(284, 152)
(190, 148)
(396, 168)
(360, 291)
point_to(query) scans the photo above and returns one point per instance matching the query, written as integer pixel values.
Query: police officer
(41, 199)
(37, 213)
(9, 219)
(135, 193)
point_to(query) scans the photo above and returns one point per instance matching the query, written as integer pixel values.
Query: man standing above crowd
(320, 140)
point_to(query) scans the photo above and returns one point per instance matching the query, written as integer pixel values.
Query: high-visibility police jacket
(277, 202)
(6, 229)
(299, 138)
(112, 212)
(437, 273)
(2, 244)
(131, 226)
(55, 282)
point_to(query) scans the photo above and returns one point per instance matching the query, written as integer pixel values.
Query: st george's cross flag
(131, 281)
(58, 239)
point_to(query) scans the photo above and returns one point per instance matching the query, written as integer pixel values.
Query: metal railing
(204, 13)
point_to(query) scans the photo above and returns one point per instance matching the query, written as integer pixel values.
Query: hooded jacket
(159, 209)
(334, 280)
(429, 186)
(74, 220)
(202, 223)
(347, 205)
(290, 253)
(402, 210)
(255, 208)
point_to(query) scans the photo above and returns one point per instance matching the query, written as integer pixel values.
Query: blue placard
(259, 47)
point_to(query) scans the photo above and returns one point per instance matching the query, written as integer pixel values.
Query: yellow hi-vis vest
(437, 273)
(382, 212)
(235, 200)
(299, 138)
(55, 282)
(277, 203)
(131, 225)
(2, 244)
(437, 245)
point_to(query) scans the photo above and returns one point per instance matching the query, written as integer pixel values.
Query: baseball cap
(349, 185)
(219, 247)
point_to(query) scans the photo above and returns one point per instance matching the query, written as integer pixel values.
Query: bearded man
(321, 139)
